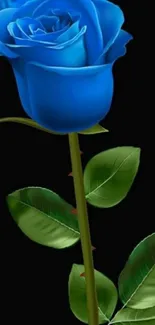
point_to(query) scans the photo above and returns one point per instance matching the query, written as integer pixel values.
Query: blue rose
(62, 53)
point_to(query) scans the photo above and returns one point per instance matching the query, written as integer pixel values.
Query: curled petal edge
(86, 71)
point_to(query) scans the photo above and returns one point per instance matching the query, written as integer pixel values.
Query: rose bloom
(62, 53)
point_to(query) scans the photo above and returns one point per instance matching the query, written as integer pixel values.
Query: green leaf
(106, 293)
(94, 130)
(109, 175)
(137, 280)
(44, 217)
(129, 316)
(28, 122)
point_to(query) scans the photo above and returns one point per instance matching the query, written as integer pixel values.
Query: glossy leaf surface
(129, 316)
(106, 293)
(137, 280)
(44, 217)
(109, 176)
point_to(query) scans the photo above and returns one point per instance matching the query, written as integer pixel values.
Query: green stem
(84, 229)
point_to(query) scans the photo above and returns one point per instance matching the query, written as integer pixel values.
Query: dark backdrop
(34, 278)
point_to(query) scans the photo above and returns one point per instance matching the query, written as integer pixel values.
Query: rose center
(54, 21)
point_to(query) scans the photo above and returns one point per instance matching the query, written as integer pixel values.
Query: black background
(34, 278)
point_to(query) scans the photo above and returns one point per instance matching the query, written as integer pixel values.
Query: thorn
(74, 211)
(82, 274)
(93, 248)
(71, 174)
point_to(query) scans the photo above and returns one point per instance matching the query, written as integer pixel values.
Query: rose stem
(81, 205)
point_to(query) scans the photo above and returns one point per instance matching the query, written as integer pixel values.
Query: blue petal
(69, 100)
(68, 54)
(6, 16)
(48, 21)
(27, 9)
(70, 33)
(16, 33)
(5, 51)
(50, 24)
(65, 35)
(20, 30)
(11, 3)
(63, 18)
(19, 3)
(48, 37)
(22, 84)
(118, 48)
(89, 17)
(111, 20)
(24, 23)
